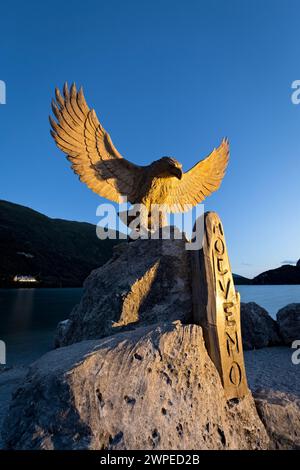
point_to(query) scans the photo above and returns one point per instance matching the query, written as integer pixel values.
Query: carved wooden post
(216, 307)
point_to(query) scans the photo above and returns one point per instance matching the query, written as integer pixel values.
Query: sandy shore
(272, 368)
(268, 368)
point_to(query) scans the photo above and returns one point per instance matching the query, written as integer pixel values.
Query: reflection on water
(22, 309)
(28, 317)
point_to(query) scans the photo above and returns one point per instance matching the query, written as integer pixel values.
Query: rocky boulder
(258, 328)
(151, 388)
(145, 282)
(288, 319)
(280, 413)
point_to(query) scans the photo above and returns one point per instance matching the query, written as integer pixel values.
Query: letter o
(235, 374)
(219, 246)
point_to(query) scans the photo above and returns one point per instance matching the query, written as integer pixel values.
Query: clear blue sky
(166, 77)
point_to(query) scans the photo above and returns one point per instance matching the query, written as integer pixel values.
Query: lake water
(272, 298)
(28, 317)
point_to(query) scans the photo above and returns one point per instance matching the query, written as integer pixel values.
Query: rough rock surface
(151, 388)
(280, 413)
(288, 319)
(10, 379)
(155, 287)
(258, 328)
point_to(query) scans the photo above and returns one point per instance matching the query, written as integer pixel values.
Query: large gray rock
(146, 281)
(288, 319)
(150, 388)
(10, 379)
(258, 328)
(280, 413)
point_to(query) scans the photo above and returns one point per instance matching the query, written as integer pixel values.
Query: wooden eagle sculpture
(94, 158)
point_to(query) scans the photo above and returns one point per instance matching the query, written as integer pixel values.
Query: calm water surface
(28, 317)
(272, 298)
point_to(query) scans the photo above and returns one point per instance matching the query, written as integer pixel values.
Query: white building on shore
(24, 278)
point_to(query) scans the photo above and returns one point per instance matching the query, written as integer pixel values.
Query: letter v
(222, 286)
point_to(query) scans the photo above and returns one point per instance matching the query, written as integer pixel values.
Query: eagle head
(168, 166)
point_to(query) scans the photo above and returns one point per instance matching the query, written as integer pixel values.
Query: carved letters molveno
(217, 307)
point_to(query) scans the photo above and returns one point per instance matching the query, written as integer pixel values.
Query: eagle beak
(177, 172)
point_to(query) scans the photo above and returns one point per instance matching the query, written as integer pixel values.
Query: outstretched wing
(200, 181)
(79, 134)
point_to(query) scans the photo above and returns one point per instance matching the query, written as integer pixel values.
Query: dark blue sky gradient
(166, 78)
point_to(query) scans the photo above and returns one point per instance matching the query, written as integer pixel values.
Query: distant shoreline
(57, 253)
(39, 286)
(54, 286)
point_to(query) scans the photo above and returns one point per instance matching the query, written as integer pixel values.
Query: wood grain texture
(79, 134)
(216, 307)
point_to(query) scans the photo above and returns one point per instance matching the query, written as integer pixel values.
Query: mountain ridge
(55, 252)
(62, 253)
